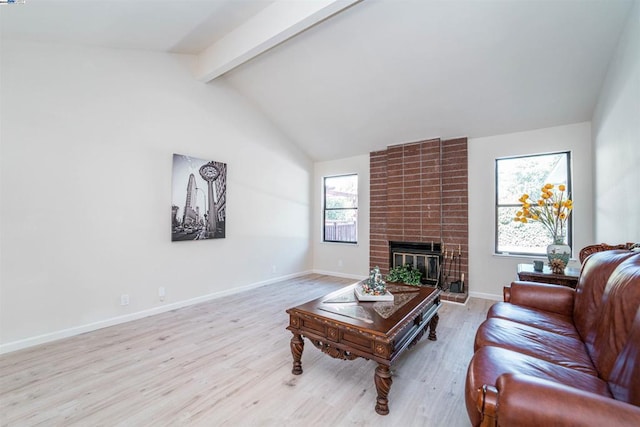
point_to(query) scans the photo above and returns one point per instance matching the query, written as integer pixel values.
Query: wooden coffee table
(344, 328)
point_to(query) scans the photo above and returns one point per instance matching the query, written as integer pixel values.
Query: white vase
(559, 250)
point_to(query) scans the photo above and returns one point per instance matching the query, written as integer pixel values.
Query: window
(340, 222)
(516, 176)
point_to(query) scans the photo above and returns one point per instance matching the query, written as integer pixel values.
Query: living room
(88, 132)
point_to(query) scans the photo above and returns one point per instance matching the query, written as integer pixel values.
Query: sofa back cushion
(620, 303)
(596, 270)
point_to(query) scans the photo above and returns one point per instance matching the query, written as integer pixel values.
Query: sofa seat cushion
(545, 320)
(488, 363)
(561, 350)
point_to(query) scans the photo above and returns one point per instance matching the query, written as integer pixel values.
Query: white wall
(342, 259)
(616, 135)
(87, 137)
(489, 272)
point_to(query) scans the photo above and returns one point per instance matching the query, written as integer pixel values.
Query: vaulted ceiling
(351, 76)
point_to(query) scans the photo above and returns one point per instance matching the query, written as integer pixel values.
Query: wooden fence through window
(339, 231)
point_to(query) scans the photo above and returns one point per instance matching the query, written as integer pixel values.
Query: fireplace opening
(426, 257)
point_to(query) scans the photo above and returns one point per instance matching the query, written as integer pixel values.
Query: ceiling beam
(270, 27)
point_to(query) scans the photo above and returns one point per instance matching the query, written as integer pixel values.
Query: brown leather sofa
(591, 249)
(550, 355)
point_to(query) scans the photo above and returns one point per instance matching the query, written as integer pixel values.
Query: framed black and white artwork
(199, 199)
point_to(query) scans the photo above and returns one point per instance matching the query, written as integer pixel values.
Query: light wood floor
(227, 362)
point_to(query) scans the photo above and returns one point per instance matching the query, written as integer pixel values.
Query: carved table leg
(433, 324)
(383, 385)
(297, 346)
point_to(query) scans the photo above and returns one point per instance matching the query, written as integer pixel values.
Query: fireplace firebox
(426, 257)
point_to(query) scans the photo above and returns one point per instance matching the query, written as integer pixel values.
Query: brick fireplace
(419, 195)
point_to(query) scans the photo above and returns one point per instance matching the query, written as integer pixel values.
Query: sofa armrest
(541, 296)
(524, 400)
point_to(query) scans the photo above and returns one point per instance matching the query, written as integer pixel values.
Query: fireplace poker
(451, 261)
(458, 275)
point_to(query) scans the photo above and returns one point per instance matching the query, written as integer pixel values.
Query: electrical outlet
(124, 299)
(339, 263)
(274, 269)
(161, 293)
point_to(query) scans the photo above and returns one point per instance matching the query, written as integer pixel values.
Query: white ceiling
(381, 72)
(180, 26)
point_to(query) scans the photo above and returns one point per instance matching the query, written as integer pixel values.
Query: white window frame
(516, 204)
(325, 209)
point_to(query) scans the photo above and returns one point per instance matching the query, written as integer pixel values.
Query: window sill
(510, 255)
(340, 243)
(572, 261)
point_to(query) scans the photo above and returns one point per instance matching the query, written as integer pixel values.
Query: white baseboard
(446, 301)
(482, 295)
(77, 330)
(343, 275)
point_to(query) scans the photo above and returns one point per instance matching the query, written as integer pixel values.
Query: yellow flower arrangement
(552, 210)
